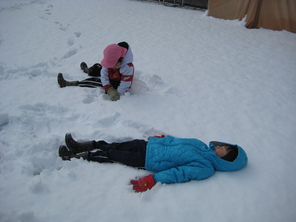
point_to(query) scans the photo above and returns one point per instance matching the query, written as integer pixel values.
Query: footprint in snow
(109, 121)
(77, 34)
(70, 42)
(175, 92)
(47, 12)
(91, 96)
(70, 53)
(4, 120)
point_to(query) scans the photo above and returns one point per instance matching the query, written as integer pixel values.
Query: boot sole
(64, 153)
(84, 67)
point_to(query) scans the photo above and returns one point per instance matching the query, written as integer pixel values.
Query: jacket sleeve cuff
(106, 87)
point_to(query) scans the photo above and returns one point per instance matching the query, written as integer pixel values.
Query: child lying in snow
(174, 160)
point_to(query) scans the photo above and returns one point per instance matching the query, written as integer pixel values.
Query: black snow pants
(95, 79)
(131, 153)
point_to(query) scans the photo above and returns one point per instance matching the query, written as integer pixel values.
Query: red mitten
(143, 184)
(160, 136)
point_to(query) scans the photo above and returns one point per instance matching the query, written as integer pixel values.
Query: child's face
(117, 66)
(221, 150)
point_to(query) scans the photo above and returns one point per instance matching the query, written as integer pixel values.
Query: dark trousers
(91, 82)
(131, 153)
(95, 80)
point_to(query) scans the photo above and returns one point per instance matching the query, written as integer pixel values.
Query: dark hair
(120, 59)
(123, 44)
(232, 154)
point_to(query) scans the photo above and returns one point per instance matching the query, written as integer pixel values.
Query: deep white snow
(196, 77)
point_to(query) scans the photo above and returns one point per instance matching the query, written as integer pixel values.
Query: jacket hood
(128, 58)
(224, 165)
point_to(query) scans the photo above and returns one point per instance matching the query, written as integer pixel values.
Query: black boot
(76, 147)
(84, 67)
(66, 154)
(63, 83)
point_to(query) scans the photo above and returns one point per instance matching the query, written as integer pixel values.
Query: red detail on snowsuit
(128, 78)
(115, 75)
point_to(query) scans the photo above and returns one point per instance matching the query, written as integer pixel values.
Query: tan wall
(270, 14)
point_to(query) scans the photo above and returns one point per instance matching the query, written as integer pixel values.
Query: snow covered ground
(196, 77)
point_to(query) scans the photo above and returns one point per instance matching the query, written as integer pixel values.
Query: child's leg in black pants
(95, 73)
(131, 153)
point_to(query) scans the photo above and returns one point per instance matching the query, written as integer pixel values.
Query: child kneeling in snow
(174, 160)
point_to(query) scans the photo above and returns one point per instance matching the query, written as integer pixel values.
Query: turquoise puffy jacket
(176, 160)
